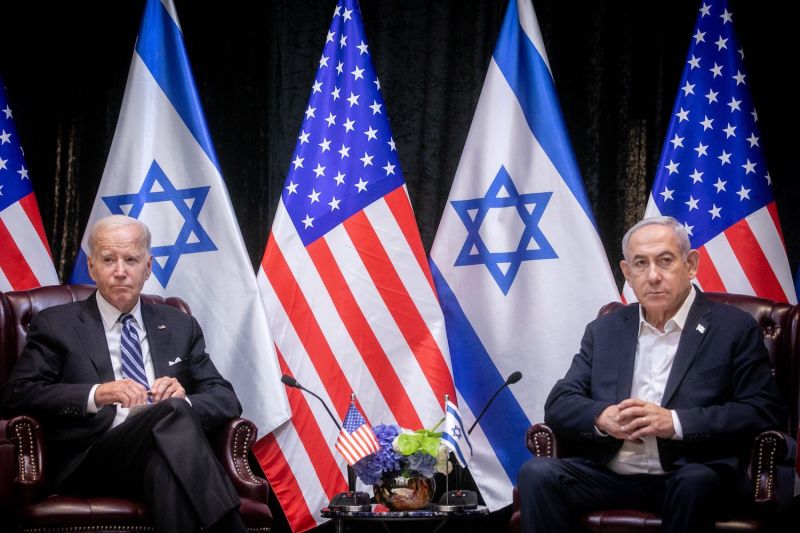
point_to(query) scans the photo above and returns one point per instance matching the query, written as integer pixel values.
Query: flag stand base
(350, 502)
(456, 500)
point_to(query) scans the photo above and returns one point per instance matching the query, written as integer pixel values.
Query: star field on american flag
(14, 180)
(345, 157)
(712, 171)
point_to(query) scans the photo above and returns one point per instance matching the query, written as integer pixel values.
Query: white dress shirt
(655, 353)
(113, 329)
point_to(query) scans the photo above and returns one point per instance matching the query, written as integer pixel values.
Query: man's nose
(119, 269)
(653, 273)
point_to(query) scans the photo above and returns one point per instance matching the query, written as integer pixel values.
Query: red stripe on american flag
(317, 448)
(305, 324)
(363, 337)
(400, 206)
(31, 209)
(707, 274)
(13, 263)
(288, 492)
(400, 305)
(772, 208)
(753, 261)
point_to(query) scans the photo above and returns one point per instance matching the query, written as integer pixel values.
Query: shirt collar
(111, 314)
(679, 319)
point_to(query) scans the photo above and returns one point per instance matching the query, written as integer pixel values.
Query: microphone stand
(458, 499)
(351, 500)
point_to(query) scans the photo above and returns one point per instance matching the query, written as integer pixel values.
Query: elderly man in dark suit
(661, 402)
(126, 392)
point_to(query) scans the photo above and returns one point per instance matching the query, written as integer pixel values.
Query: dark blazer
(67, 353)
(720, 386)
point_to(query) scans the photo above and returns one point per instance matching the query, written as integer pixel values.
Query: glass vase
(402, 493)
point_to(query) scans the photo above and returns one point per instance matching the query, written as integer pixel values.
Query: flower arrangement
(403, 453)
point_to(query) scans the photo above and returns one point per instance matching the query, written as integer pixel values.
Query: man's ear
(90, 267)
(625, 270)
(693, 261)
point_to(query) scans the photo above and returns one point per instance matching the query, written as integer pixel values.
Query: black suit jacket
(67, 353)
(720, 386)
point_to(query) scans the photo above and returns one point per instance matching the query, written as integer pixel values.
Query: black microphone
(289, 381)
(344, 501)
(513, 378)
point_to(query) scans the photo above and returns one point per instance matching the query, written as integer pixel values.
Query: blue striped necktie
(131, 352)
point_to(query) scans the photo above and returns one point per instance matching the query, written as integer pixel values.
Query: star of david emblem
(457, 432)
(533, 245)
(191, 239)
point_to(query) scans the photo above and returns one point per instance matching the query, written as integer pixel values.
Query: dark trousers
(555, 493)
(161, 456)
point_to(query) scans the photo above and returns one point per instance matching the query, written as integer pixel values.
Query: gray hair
(115, 222)
(681, 235)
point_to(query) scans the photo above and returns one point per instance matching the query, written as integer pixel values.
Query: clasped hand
(128, 393)
(633, 419)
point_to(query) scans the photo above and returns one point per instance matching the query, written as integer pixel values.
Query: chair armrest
(541, 441)
(232, 447)
(770, 450)
(25, 435)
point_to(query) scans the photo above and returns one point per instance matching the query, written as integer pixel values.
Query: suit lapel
(628, 338)
(697, 324)
(90, 330)
(157, 338)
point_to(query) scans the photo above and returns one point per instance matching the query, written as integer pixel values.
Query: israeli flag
(455, 435)
(517, 261)
(162, 170)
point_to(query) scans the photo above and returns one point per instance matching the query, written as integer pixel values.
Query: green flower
(421, 440)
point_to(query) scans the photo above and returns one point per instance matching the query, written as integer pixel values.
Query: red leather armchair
(27, 500)
(781, 326)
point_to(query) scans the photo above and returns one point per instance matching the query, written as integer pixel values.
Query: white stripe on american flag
(399, 250)
(30, 245)
(4, 280)
(728, 267)
(382, 324)
(765, 232)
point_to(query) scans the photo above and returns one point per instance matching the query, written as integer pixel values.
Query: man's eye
(666, 262)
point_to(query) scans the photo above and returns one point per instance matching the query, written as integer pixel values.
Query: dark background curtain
(617, 66)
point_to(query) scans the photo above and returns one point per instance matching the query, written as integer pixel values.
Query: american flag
(713, 176)
(356, 439)
(25, 259)
(345, 281)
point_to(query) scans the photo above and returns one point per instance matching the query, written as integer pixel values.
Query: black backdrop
(617, 66)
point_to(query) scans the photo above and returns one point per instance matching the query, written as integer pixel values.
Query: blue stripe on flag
(455, 448)
(532, 83)
(506, 432)
(80, 272)
(160, 45)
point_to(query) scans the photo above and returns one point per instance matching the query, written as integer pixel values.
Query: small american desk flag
(356, 440)
(712, 175)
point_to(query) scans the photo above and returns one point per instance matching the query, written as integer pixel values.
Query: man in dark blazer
(108, 433)
(661, 402)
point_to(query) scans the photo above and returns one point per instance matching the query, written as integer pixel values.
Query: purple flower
(372, 468)
(421, 463)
